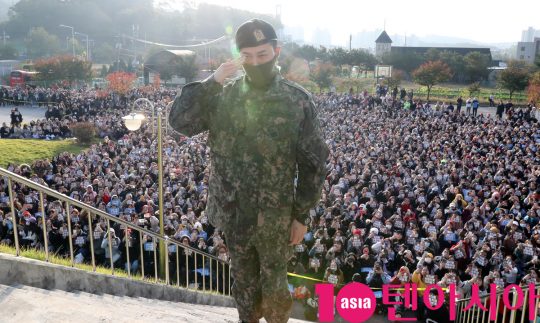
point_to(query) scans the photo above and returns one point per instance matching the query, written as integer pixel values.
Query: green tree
(363, 58)
(117, 66)
(515, 77)
(104, 71)
(432, 54)
(406, 62)
(40, 43)
(322, 75)
(104, 53)
(339, 57)
(476, 66)
(188, 68)
(60, 68)
(395, 79)
(456, 63)
(474, 89)
(432, 73)
(307, 52)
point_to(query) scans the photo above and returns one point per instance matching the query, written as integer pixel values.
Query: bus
(22, 77)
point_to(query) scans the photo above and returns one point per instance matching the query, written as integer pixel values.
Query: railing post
(177, 266)
(91, 233)
(110, 245)
(223, 272)
(211, 276)
(497, 307)
(524, 308)
(504, 312)
(44, 224)
(537, 287)
(70, 234)
(485, 313)
(187, 268)
(127, 238)
(204, 272)
(155, 246)
(166, 261)
(458, 305)
(14, 218)
(195, 272)
(229, 267)
(141, 248)
(468, 315)
(514, 301)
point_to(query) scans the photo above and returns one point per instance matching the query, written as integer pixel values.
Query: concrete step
(29, 304)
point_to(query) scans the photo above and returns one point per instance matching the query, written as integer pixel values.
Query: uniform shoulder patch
(191, 84)
(297, 87)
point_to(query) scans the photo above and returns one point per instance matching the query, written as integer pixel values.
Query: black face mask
(260, 76)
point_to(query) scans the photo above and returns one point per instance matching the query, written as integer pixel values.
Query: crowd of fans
(65, 107)
(413, 194)
(425, 196)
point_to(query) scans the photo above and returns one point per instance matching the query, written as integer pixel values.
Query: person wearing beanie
(268, 158)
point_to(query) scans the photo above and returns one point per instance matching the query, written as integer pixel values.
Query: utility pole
(350, 42)
(72, 38)
(4, 37)
(87, 55)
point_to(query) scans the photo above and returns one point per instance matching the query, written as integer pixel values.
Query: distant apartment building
(527, 51)
(294, 33)
(322, 37)
(528, 36)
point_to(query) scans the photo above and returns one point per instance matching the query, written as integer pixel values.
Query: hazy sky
(483, 21)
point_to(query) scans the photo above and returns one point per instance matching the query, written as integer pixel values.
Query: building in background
(528, 51)
(527, 36)
(383, 45)
(321, 37)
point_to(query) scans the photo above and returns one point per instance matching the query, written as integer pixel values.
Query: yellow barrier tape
(305, 277)
(372, 288)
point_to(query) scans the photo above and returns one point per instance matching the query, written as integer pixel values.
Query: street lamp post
(78, 33)
(72, 38)
(133, 122)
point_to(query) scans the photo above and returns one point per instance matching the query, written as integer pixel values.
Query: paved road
(28, 113)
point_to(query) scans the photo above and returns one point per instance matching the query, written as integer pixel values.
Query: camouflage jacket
(257, 141)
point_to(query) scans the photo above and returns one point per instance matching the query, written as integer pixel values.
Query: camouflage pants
(259, 257)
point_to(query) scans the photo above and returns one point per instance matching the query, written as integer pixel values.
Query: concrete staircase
(29, 304)
(33, 291)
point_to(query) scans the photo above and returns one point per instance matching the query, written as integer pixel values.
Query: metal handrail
(68, 201)
(500, 292)
(470, 315)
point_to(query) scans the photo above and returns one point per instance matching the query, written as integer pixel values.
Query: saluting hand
(227, 70)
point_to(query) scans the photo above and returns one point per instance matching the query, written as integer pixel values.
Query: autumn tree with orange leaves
(533, 90)
(121, 82)
(432, 73)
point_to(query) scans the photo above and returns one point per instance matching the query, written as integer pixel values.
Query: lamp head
(133, 121)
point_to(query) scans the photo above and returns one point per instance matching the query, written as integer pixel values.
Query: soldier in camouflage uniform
(263, 132)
